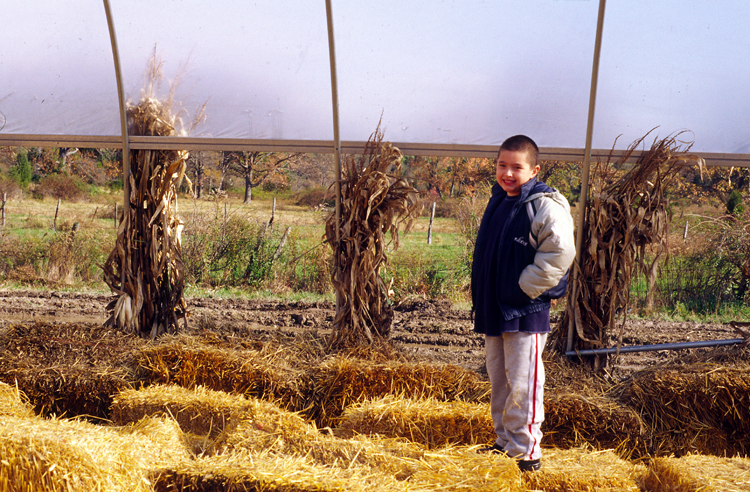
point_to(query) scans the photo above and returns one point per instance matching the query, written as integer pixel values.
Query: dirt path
(430, 328)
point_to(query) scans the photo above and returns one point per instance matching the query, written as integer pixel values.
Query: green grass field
(227, 254)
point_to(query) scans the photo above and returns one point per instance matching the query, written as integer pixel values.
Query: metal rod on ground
(336, 142)
(586, 163)
(655, 347)
(432, 218)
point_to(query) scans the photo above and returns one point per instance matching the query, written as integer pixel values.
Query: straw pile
(375, 200)
(401, 465)
(699, 407)
(188, 362)
(284, 434)
(581, 469)
(145, 269)
(69, 455)
(626, 213)
(198, 411)
(61, 370)
(342, 381)
(426, 421)
(464, 469)
(694, 473)
(575, 419)
(13, 402)
(251, 472)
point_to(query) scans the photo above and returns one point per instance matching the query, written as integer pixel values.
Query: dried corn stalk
(626, 214)
(145, 268)
(375, 200)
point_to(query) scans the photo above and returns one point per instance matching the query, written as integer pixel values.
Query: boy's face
(514, 170)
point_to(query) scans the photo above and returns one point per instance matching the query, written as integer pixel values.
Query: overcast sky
(462, 72)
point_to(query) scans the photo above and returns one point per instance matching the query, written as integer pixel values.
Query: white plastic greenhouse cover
(447, 77)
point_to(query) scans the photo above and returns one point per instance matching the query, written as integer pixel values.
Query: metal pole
(586, 162)
(123, 121)
(336, 140)
(654, 347)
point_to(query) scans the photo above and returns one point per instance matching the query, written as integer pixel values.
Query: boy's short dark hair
(522, 143)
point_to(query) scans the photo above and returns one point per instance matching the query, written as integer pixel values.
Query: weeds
(65, 258)
(227, 251)
(230, 253)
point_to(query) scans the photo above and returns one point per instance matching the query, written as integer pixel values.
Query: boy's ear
(536, 170)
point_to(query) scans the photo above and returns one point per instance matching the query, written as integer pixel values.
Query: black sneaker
(529, 465)
(495, 448)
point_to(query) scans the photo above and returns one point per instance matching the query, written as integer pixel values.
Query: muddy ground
(429, 328)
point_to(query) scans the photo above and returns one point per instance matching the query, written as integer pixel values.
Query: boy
(524, 248)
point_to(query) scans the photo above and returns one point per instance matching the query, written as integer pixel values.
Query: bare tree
(313, 170)
(200, 162)
(265, 164)
(65, 152)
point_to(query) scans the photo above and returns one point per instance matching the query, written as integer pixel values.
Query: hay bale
(464, 469)
(245, 471)
(64, 372)
(576, 419)
(342, 381)
(71, 455)
(578, 469)
(188, 362)
(692, 408)
(459, 468)
(694, 472)
(286, 434)
(427, 421)
(13, 402)
(71, 391)
(449, 470)
(199, 411)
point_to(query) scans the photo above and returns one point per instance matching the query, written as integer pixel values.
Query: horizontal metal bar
(655, 347)
(83, 141)
(327, 146)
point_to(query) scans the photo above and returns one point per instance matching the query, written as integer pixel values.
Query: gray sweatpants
(516, 373)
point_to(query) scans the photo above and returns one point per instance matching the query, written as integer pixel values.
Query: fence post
(5, 199)
(116, 205)
(273, 213)
(684, 234)
(429, 230)
(282, 242)
(57, 210)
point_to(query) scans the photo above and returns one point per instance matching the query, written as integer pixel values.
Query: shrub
(469, 215)
(21, 172)
(9, 187)
(228, 252)
(311, 271)
(60, 186)
(734, 204)
(314, 197)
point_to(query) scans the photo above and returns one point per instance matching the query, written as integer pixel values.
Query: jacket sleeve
(553, 229)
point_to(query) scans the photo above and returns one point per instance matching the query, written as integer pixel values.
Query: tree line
(241, 171)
